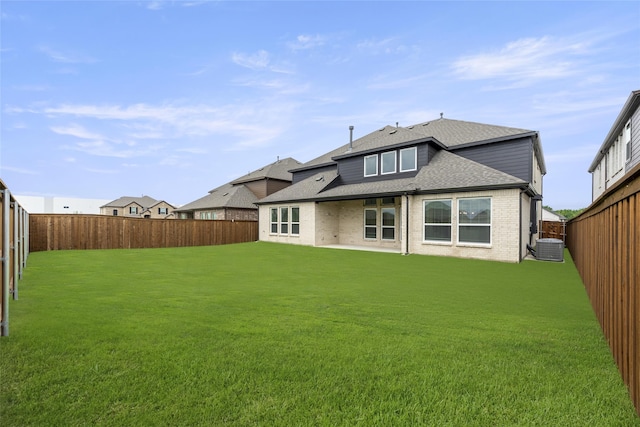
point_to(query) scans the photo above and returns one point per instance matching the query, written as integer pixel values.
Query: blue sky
(103, 99)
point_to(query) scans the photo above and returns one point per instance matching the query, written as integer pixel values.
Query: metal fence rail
(14, 237)
(60, 232)
(604, 242)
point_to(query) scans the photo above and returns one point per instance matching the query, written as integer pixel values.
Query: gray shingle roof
(449, 133)
(445, 172)
(225, 196)
(453, 133)
(276, 170)
(144, 201)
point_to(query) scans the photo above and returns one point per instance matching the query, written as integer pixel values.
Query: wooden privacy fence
(553, 230)
(58, 232)
(14, 241)
(604, 242)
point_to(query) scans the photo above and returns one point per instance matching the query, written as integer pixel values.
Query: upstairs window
(371, 165)
(388, 163)
(133, 210)
(163, 211)
(115, 212)
(627, 140)
(408, 159)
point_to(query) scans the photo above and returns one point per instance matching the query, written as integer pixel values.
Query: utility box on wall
(550, 249)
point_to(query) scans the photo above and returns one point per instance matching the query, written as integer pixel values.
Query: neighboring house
(551, 216)
(236, 200)
(620, 151)
(139, 207)
(444, 187)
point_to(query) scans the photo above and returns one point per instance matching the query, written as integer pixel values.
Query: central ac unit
(550, 249)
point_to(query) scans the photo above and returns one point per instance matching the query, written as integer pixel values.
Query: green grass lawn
(280, 335)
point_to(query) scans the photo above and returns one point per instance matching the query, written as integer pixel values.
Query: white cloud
(75, 130)
(524, 61)
(304, 42)
(256, 61)
(104, 148)
(382, 46)
(261, 60)
(20, 170)
(66, 57)
(102, 171)
(155, 5)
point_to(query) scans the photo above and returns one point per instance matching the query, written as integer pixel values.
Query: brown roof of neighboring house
(144, 201)
(225, 196)
(276, 170)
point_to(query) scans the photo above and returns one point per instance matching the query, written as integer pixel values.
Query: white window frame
(369, 226)
(284, 222)
(373, 156)
(384, 227)
(133, 210)
(627, 139)
(382, 163)
(488, 225)
(273, 223)
(294, 226)
(437, 224)
(415, 158)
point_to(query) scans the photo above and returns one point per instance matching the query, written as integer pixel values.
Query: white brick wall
(505, 227)
(307, 221)
(328, 223)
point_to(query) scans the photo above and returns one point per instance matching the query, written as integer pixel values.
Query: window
(115, 212)
(370, 223)
(437, 220)
(408, 159)
(274, 220)
(371, 165)
(163, 211)
(133, 210)
(388, 201)
(284, 220)
(474, 221)
(295, 220)
(388, 223)
(388, 163)
(627, 140)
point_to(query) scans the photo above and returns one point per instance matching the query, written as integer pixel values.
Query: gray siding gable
(512, 157)
(351, 169)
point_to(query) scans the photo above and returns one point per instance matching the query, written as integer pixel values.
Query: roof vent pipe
(397, 125)
(350, 137)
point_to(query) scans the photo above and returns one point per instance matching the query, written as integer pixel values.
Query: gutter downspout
(406, 224)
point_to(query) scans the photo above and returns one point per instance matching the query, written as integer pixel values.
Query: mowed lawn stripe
(271, 334)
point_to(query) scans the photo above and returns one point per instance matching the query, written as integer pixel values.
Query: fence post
(16, 248)
(6, 204)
